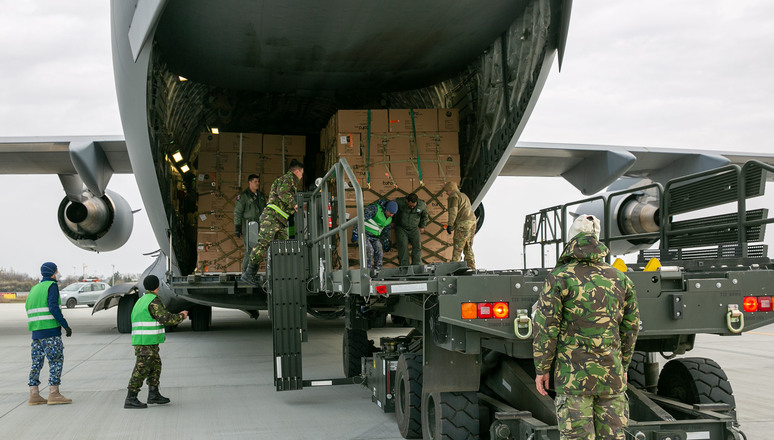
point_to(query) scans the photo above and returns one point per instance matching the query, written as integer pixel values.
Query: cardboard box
(209, 142)
(423, 120)
(448, 119)
(215, 201)
(444, 167)
(357, 121)
(284, 144)
(277, 164)
(438, 143)
(389, 144)
(347, 144)
(216, 219)
(236, 142)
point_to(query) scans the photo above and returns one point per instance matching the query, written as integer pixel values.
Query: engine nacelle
(97, 224)
(635, 213)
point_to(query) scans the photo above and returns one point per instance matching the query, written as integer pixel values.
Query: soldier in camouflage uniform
(586, 322)
(248, 208)
(149, 316)
(462, 222)
(275, 218)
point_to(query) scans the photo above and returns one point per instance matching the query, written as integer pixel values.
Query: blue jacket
(53, 306)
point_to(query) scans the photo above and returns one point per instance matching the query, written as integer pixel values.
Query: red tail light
(764, 304)
(381, 290)
(500, 310)
(484, 310)
(750, 304)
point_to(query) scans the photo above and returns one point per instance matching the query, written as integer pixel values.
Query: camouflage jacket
(459, 209)
(283, 194)
(410, 219)
(248, 207)
(586, 321)
(160, 313)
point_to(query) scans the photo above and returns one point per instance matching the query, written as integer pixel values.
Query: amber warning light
(484, 310)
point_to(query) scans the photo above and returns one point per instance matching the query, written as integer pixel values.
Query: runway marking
(761, 333)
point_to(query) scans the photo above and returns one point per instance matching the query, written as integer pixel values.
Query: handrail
(319, 200)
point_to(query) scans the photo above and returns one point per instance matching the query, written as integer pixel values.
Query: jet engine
(97, 224)
(633, 213)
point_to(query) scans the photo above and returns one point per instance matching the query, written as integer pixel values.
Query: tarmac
(221, 387)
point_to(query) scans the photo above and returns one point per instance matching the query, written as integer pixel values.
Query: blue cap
(392, 207)
(48, 269)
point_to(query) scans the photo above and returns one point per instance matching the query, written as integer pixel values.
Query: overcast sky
(688, 74)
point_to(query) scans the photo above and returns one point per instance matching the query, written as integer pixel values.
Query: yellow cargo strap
(279, 211)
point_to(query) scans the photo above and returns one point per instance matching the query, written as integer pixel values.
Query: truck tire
(124, 315)
(695, 380)
(408, 395)
(450, 415)
(355, 346)
(201, 318)
(636, 372)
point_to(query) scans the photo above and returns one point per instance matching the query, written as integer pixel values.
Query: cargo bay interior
(479, 74)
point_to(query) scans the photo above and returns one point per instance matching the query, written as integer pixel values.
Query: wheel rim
(70, 303)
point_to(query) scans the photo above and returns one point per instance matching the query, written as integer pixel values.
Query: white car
(82, 293)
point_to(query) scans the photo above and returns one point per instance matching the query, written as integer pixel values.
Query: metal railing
(321, 233)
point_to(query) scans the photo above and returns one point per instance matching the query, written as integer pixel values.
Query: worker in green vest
(378, 218)
(149, 316)
(45, 321)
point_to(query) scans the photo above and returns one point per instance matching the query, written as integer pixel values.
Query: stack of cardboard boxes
(396, 152)
(225, 161)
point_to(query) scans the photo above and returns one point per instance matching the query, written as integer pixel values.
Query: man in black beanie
(45, 321)
(148, 320)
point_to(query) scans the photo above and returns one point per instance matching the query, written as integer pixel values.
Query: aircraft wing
(591, 168)
(93, 159)
(43, 155)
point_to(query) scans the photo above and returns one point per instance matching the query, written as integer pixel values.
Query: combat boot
(248, 276)
(132, 402)
(54, 398)
(35, 397)
(155, 397)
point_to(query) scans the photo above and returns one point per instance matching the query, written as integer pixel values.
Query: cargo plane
(187, 68)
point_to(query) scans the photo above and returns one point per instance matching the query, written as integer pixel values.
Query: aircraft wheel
(450, 415)
(408, 395)
(71, 302)
(695, 380)
(124, 315)
(201, 318)
(355, 346)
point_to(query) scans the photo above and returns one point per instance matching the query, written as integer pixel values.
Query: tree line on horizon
(13, 281)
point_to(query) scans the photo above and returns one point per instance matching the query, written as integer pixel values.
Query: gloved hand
(68, 331)
(238, 231)
(449, 229)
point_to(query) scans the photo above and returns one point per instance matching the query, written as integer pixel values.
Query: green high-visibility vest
(39, 317)
(145, 329)
(379, 221)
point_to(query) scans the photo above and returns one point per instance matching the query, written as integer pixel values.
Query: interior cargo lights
(184, 168)
(177, 156)
(215, 130)
(484, 310)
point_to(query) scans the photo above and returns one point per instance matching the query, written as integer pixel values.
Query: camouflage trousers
(463, 242)
(273, 227)
(147, 367)
(53, 350)
(374, 253)
(592, 417)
